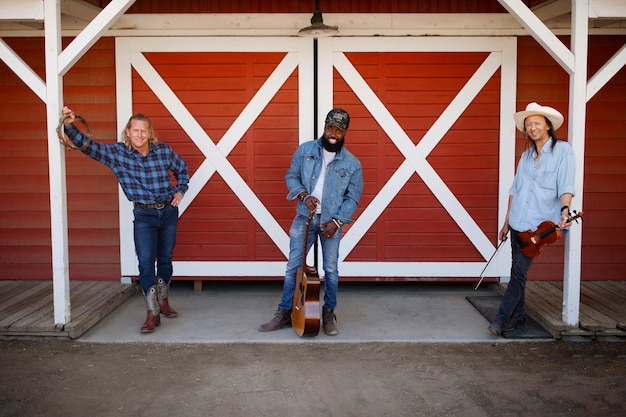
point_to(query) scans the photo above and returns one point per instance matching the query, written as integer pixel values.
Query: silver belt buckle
(159, 206)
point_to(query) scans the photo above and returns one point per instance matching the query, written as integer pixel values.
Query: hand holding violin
(532, 242)
(566, 218)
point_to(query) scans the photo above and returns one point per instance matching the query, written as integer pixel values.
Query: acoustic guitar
(305, 313)
(532, 242)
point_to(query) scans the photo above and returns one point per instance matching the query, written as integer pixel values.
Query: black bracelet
(565, 207)
(302, 197)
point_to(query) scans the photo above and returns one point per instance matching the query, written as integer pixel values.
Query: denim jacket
(343, 185)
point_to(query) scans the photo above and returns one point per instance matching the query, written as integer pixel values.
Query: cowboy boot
(153, 318)
(163, 291)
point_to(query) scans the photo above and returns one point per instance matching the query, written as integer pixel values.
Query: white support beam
(576, 129)
(92, 33)
(58, 62)
(608, 70)
(507, 162)
(22, 70)
(56, 166)
(288, 24)
(22, 10)
(607, 9)
(540, 33)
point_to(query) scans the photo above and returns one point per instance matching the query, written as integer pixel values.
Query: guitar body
(305, 313)
(305, 310)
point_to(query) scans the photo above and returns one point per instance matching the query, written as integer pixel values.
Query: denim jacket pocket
(343, 172)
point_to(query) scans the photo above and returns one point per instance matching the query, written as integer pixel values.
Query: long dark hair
(531, 143)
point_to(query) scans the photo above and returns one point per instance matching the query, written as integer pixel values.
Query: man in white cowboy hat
(542, 189)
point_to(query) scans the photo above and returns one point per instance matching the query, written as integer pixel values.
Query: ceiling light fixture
(318, 29)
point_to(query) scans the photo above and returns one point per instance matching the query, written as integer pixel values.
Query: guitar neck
(306, 239)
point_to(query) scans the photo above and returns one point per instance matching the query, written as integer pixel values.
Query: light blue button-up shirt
(536, 188)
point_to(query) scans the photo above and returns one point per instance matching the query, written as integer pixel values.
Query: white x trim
(299, 55)
(129, 54)
(416, 161)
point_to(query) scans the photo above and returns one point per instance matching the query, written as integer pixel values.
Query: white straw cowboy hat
(534, 109)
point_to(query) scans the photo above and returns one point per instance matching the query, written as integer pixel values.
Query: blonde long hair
(141, 117)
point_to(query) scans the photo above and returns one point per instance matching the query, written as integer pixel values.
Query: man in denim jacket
(327, 179)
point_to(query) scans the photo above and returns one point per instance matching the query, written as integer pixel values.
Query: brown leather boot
(153, 318)
(282, 318)
(328, 321)
(163, 291)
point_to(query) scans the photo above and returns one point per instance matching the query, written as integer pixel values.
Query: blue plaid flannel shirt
(145, 180)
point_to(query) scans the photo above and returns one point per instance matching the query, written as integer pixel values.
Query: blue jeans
(330, 257)
(513, 304)
(155, 238)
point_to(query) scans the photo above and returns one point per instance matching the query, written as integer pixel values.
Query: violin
(532, 242)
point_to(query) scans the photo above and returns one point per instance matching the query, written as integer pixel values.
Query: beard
(332, 147)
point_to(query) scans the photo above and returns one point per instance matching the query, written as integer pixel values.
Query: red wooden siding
(93, 234)
(605, 156)
(326, 6)
(25, 223)
(415, 87)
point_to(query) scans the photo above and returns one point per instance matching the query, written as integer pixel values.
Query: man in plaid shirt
(142, 166)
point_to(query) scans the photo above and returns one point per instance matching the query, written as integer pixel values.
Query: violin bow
(506, 237)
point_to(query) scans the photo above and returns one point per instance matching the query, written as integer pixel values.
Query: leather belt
(157, 206)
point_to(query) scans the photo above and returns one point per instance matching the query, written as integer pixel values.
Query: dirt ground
(70, 378)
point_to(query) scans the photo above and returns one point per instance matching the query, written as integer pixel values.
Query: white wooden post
(58, 62)
(506, 164)
(576, 129)
(574, 61)
(56, 165)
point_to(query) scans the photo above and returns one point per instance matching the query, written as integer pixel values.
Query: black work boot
(495, 328)
(328, 320)
(282, 318)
